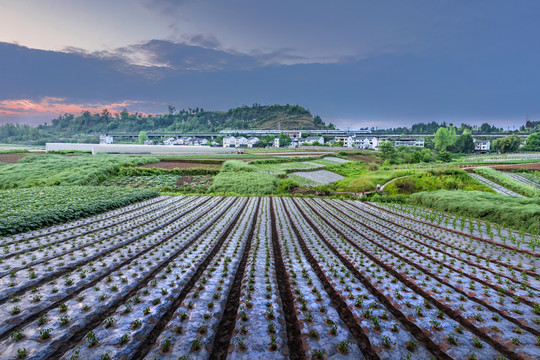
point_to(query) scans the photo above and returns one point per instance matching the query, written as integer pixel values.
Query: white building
(347, 140)
(365, 142)
(105, 139)
(410, 142)
(311, 139)
(482, 146)
(241, 142)
(276, 142)
(252, 141)
(229, 141)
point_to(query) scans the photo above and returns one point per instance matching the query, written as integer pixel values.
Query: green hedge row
(31, 208)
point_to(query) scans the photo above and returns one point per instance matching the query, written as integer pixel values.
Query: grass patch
(31, 208)
(518, 213)
(13, 151)
(437, 179)
(237, 166)
(365, 180)
(244, 183)
(47, 170)
(238, 178)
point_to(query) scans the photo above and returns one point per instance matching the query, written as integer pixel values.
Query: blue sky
(355, 63)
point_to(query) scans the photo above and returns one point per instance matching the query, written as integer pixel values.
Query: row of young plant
(457, 307)
(85, 234)
(43, 264)
(493, 295)
(370, 312)
(85, 286)
(260, 324)
(195, 322)
(325, 333)
(483, 231)
(498, 261)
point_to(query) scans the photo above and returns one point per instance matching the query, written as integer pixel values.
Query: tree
(533, 142)
(142, 137)
(339, 143)
(284, 140)
(387, 149)
(444, 138)
(507, 144)
(464, 143)
(444, 156)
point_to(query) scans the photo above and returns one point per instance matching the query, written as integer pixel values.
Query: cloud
(48, 107)
(153, 58)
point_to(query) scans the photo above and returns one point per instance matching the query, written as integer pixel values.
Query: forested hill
(191, 120)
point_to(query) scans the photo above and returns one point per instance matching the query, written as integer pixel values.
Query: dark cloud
(399, 88)
(206, 41)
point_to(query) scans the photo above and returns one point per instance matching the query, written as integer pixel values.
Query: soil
(13, 158)
(181, 165)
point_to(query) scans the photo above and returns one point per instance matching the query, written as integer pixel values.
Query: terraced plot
(498, 188)
(270, 278)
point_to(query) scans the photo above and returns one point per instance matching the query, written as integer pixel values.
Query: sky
(356, 63)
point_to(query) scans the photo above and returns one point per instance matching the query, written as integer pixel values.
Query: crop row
(272, 278)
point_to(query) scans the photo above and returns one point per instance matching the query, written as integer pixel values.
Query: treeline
(76, 128)
(432, 127)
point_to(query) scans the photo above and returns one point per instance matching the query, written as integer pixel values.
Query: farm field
(271, 278)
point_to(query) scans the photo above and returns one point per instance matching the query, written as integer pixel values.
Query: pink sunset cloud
(35, 112)
(53, 106)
